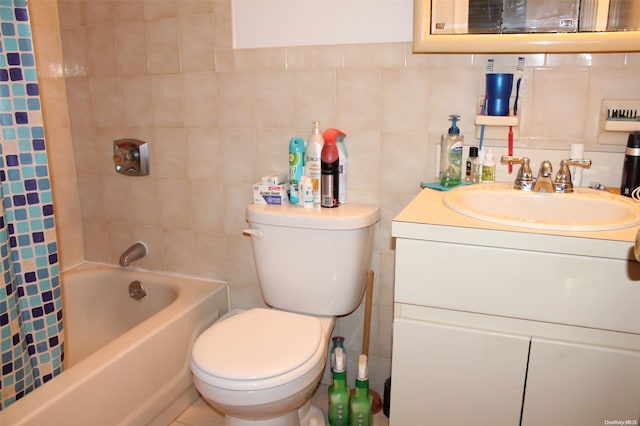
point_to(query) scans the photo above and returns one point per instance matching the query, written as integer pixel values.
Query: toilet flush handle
(253, 233)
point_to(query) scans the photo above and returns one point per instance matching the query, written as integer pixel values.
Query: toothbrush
(520, 68)
(483, 110)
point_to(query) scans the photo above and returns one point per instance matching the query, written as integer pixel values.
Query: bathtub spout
(133, 253)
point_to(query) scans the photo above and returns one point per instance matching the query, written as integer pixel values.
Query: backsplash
(217, 119)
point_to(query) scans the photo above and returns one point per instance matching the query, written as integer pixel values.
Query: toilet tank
(312, 261)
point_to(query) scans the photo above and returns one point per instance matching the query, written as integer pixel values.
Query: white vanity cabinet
(497, 325)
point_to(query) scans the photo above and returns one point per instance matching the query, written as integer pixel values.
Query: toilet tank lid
(347, 216)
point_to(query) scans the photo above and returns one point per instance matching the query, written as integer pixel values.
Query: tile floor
(201, 414)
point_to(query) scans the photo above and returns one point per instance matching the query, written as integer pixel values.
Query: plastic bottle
(489, 168)
(338, 342)
(360, 405)
(330, 170)
(312, 160)
(477, 167)
(296, 167)
(344, 159)
(451, 155)
(469, 169)
(306, 192)
(339, 393)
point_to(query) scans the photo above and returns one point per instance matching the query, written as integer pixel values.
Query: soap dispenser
(451, 155)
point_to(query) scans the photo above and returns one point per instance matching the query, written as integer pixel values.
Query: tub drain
(136, 290)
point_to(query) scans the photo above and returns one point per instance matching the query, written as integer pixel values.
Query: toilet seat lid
(257, 344)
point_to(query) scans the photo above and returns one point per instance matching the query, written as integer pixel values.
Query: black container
(386, 402)
(631, 166)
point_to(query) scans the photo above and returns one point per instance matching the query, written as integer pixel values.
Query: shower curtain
(31, 342)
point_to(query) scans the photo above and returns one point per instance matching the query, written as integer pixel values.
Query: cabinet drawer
(516, 283)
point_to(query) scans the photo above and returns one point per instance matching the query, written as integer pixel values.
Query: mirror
(521, 26)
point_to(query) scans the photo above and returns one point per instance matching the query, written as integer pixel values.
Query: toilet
(260, 367)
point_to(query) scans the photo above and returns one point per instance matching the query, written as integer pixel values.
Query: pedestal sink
(583, 210)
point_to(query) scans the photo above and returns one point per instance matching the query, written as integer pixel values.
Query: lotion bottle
(451, 155)
(312, 161)
(489, 168)
(296, 168)
(339, 393)
(360, 413)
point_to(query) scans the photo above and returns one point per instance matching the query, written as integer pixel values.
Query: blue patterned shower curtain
(31, 342)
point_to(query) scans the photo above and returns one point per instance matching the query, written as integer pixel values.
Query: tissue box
(271, 194)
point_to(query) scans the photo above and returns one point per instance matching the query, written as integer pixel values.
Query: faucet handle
(524, 177)
(585, 164)
(517, 160)
(563, 181)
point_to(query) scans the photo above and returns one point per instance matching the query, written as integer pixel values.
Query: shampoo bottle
(451, 155)
(339, 393)
(296, 168)
(342, 150)
(360, 413)
(330, 170)
(312, 161)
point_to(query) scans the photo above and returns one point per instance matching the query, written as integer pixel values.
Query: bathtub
(126, 361)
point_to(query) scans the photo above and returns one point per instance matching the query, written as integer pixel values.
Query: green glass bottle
(339, 393)
(360, 406)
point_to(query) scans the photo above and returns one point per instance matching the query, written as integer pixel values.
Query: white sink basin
(583, 210)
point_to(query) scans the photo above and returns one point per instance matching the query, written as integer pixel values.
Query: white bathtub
(127, 361)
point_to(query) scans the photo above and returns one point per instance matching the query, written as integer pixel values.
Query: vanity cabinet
(496, 325)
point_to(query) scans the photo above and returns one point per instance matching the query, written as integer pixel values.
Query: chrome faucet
(133, 253)
(543, 183)
(524, 178)
(562, 182)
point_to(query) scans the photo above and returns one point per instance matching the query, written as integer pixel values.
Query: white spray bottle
(312, 161)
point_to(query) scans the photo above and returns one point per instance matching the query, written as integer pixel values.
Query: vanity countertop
(427, 218)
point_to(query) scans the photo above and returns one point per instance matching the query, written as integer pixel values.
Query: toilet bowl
(260, 366)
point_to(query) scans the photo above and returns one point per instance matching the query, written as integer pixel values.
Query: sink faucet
(133, 253)
(524, 178)
(543, 183)
(562, 182)
(563, 178)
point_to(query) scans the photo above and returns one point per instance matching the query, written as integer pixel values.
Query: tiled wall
(218, 119)
(48, 48)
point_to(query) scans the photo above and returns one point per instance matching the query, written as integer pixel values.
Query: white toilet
(260, 367)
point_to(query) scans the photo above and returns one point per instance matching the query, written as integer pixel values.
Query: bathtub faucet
(133, 253)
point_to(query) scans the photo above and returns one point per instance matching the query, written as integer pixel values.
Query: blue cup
(499, 87)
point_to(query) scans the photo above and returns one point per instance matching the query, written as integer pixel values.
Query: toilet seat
(258, 349)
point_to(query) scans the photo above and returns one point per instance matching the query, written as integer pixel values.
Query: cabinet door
(445, 375)
(573, 384)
